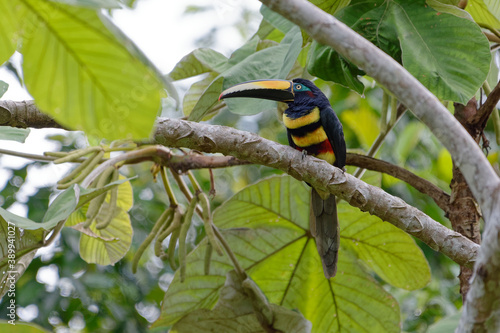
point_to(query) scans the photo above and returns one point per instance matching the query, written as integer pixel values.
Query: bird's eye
(298, 87)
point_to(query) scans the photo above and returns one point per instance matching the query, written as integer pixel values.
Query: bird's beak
(275, 90)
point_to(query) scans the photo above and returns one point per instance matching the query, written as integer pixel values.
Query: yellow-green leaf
(99, 251)
(485, 12)
(199, 61)
(21, 327)
(234, 312)
(85, 78)
(267, 227)
(192, 96)
(389, 251)
(363, 122)
(9, 26)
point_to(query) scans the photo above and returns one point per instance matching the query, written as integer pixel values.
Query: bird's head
(297, 92)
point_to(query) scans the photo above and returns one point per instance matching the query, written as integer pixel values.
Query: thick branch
(24, 114)
(482, 299)
(320, 174)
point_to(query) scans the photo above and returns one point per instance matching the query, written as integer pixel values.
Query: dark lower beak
(275, 90)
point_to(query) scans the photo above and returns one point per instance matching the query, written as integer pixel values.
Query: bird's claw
(304, 154)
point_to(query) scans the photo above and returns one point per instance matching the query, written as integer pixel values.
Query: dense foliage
(136, 250)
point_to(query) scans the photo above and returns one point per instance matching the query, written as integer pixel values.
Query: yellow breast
(311, 138)
(310, 118)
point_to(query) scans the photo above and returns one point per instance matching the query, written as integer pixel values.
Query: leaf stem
(237, 267)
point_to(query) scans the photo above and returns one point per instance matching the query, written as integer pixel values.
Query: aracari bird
(314, 128)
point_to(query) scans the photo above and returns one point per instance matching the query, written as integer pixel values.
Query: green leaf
(192, 96)
(450, 8)
(67, 202)
(408, 141)
(276, 19)
(452, 68)
(243, 52)
(62, 206)
(4, 86)
(328, 65)
(17, 249)
(389, 251)
(198, 62)
(234, 312)
(267, 227)
(485, 12)
(96, 85)
(21, 327)
(14, 134)
(119, 234)
(363, 122)
(106, 246)
(270, 63)
(207, 100)
(446, 325)
(88, 194)
(444, 166)
(9, 26)
(331, 6)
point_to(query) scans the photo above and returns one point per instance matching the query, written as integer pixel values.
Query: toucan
(313, 128)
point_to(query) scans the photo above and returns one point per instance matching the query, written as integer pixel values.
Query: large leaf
(110, 244)
(192, 96)
(198, 62)
(267, 227)
(331, 6)
(234, 312)
(9, 25)
(96, 85)
(65, 204)
(329, 65)
(389, 251)
(453, 68)
(106, 246)
(62, 206)
(21, 327)
(364, 122)
(208, 99)
(485, 12)
(270, 62)
(276, 19)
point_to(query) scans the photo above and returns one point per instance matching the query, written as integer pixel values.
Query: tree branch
(482, 298)
(24, 114)
(320, 174)
(441, 198)
(189, 162)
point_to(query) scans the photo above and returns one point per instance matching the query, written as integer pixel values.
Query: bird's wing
(334, 132)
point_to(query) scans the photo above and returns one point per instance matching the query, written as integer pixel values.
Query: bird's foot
(304, 154)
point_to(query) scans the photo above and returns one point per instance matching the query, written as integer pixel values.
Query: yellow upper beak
(276, 90)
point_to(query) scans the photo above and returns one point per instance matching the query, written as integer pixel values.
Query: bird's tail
(324, 227)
